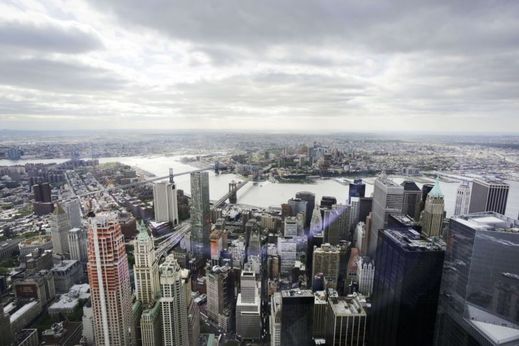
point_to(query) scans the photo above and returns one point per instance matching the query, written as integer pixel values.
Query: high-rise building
(412, 198)
(346, 322)
(357, 189)
(150, 324)
(405, 288)
(297, 311)
(365, 207)
(248, 313)
(425, 191)
(173, 304)
(290, 226)
(336, 223)
(479, 295)
(387, 199)
(77, 244)
(463, 198)
(109, 279)
(309, 197)
(328, 201)
(365, 275)
(146, 268)
(361, 238)
(165, 201)
(326, 261)
(220, 294)
(200, 215)
(60, 227)
(42, 192)
(73, 209)
(297, 206)
(5, 327)
(433, 212)
(275, 319)
(488, 195)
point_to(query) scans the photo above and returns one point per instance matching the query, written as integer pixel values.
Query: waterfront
(265, 194)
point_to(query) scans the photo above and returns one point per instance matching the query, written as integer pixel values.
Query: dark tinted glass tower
(297, 310)
(357, 189)
(479, 297)
(200, 215)
(405, 289)
(412, 196)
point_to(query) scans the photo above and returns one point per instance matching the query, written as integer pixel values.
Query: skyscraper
(248, 314)
(151, 322)
(146, 269)
(365, 275)
(109, 280)
(77, 244)
(405, 289)
(309, 197)
(336, 223)
(412, 197)
(60, 226)
(488, 195)
(220, 294)
(200, 215)
(173, 304)
(165, 201)
(297, 310)
(433, 213)
(346, 321)
(463, 198)
(387, 199)
(357, 189)
(326, 261)
(480, 283)
(73, 209)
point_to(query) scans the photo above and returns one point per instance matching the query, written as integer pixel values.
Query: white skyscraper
(365, 275)
(248, 316)
(165, 201)
(433, 213)
(146, 268)
(463, 198)
(73, 209)
(173, 304)
(77, 243)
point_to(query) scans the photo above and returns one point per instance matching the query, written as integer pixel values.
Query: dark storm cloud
(48, 37)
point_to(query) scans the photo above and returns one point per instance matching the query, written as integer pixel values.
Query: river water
(265, 194)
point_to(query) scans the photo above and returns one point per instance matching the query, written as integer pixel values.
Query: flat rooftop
(489, 221)
(346, 306)
(296, 293)
(411, 240)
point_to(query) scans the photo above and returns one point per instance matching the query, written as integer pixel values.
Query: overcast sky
(291, 65)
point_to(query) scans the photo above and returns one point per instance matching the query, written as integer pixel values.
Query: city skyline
(294, 67)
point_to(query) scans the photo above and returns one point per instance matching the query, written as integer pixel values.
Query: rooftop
(346, 306)
(489, 221)
(411, 240)
(296, 293)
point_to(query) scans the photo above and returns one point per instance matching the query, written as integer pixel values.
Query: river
(265, 194)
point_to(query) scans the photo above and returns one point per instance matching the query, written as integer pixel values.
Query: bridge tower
(232, 192)
(171, 176)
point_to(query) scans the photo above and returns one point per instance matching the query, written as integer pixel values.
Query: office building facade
(406, 286)
(200, 215)
(488, 195)
(109, 279)
(480, 283)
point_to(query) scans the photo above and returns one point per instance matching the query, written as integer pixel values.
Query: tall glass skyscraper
(479, 297)
(200, 215)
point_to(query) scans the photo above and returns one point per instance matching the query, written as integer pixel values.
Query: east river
(265, 194)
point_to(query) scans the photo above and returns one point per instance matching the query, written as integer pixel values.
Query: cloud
(294, 64)
(47, 74)
(50, 36)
